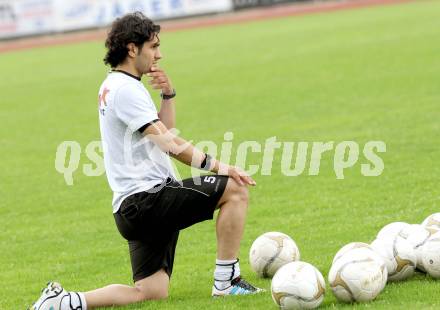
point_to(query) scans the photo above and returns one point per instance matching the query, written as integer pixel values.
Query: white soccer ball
(363, 250)
(270, 251)
(432, 220)
(391, 230)
(359, 275)
(347, 248)
(417, 235)
(431, 255)
(298, 285)
(398, 255)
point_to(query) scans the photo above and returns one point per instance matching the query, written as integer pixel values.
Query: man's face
(148, 56)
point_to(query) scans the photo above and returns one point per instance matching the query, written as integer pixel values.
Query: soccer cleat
(239, 286)
(50, 298)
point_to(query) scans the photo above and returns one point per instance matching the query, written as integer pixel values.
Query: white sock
(225, 272)
(73, 301)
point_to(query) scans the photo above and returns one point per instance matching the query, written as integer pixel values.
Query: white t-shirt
(133, 163)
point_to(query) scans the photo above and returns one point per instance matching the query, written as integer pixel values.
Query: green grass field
(361, 75)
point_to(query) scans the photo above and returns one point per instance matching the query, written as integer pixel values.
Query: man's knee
(236, 193)
(155, 293)
(160, 293)
(153, 287)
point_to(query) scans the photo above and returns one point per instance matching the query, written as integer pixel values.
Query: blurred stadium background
(367, 74)
(25, 18)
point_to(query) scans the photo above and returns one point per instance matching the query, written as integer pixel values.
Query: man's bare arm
(186, 153)
(167, 113)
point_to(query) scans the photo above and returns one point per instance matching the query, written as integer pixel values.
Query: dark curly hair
(131, 28)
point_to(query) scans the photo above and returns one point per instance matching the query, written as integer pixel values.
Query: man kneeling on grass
(150, 206)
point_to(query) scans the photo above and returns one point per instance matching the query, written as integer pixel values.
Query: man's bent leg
(152, 287)
(230, 226)
(231, 220)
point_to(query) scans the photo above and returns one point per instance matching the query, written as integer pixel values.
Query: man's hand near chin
(160, 80)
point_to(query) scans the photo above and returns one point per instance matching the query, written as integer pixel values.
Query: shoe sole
(253, 293)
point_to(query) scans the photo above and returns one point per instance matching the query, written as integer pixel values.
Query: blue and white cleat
(50, 298)
(239, 286)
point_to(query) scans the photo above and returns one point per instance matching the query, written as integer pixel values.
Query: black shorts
(151, 220)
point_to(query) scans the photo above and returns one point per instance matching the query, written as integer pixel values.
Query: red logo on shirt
(102, 102)
(101, 98)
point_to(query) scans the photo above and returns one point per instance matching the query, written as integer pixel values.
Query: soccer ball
(398, 255)
(432, 220)
(363, 250)
(431, 255)
(298, 285)
(358, 275)
(347, 248)
(391, 230)
(270, 251)
(417, 235)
